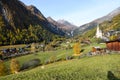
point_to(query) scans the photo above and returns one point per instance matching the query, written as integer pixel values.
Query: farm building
(113, 45)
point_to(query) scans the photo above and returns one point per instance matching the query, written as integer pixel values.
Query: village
(111, 40)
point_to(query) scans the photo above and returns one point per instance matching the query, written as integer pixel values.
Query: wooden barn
(113, 45)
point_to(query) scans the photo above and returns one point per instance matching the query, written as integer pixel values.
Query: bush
(31, 64)
(52, 59)
(69, 57)
(1, 57)
(49, 48)
(47, 62)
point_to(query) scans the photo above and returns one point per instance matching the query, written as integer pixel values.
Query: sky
(78, 12)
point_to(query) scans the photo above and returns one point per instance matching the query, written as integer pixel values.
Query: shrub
(47, 62)
(69, 57)
(49, 48)
(30, 64)
(1, 57)
(52, 59)
(14, 66)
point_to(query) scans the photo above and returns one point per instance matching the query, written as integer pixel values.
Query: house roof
(118, 40)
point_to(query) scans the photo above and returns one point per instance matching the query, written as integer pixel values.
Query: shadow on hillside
(111, 76)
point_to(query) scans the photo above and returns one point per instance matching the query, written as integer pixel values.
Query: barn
(113, 45)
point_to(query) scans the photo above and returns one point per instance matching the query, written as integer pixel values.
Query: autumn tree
(113, 37)
(76, 48)
(2, 68)
(93, 49)
(14, 66)
(33, 47)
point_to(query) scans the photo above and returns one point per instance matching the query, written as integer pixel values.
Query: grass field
(58, 54)
(88, 68)
(44, 56)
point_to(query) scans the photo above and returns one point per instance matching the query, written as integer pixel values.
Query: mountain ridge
(95, 22)
(62, 24)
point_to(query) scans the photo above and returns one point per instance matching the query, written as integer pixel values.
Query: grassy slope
(89, 68)
(44, 56)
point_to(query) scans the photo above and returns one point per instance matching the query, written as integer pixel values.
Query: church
(98, 32)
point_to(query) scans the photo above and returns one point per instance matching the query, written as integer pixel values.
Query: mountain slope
(62, 24)
(18, 21)
(94, 23)
(67, 25)
(113, 24)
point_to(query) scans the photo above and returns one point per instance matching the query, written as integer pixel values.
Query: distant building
(98, 32)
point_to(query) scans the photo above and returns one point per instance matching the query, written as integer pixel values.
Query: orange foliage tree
(94, 49)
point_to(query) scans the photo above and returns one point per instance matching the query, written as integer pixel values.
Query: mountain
(62, 24)
(66, 26)
(21, 23)
(106, 26)
(94, 23)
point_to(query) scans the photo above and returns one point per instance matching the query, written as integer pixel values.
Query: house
(113, 45)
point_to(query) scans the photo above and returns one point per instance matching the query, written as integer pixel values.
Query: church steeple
(98, 32)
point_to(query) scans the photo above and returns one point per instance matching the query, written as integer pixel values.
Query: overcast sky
(77, 12)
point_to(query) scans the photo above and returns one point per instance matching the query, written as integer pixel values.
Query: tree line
(34, 33)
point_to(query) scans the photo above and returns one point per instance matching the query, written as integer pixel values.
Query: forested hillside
(24, 24)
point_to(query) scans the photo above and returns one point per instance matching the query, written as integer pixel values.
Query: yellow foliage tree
(113, 37)
(14, 66)
(2, 68)
(76, 48)
(33, 47)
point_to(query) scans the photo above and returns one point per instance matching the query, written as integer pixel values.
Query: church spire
(98, 32)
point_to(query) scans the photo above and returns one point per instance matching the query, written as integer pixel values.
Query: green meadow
(88, 68)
